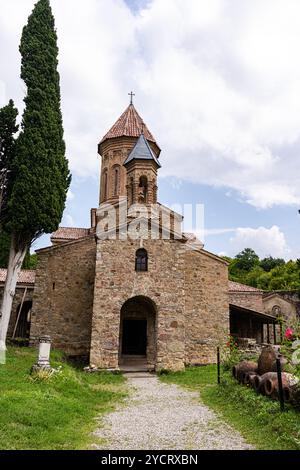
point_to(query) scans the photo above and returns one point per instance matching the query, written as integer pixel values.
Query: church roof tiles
(26, 276)
(129, 124)
(237, 287)
(70, 233)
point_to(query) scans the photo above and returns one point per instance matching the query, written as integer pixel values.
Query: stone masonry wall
(63, 296)
(116, 281)
(288, 310)
(251, 300)
(206, 306)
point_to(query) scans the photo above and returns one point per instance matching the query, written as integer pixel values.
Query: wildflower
(289, 334)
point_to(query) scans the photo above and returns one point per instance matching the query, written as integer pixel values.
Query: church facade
(133, 291)
(148, 293)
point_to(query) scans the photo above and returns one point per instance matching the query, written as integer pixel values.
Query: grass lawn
(58, 413)
(256, 417)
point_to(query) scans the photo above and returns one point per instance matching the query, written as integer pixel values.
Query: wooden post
(262, 332)
(280, 388)
(268, 333)
(218, 364)
(274, 333)
(19, 313)
(281, 333)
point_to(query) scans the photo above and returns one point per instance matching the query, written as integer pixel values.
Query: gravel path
(162, 416)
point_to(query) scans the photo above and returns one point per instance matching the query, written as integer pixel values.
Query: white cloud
(218, 231)
(70, 195)
(68, 221)
(3, 99)
(264, 241)
(222, 253)
(217, 82)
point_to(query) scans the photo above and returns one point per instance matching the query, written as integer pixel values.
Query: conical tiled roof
(130, 124)
(142, 151)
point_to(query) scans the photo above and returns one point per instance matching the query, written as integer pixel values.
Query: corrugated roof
(26, 276)
(70, 233)
(237, 287)
(141, 151)
(129, 124)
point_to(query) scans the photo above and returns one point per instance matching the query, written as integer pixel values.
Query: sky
(218, 84)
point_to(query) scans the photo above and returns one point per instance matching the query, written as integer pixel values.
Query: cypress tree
(8, 128)
(42, 177)
(4, 249)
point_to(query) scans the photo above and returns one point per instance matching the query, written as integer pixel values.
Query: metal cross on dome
(131, 94)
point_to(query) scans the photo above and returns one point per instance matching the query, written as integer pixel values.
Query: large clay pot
(283, 362)
(240, 370)
(255, 382)
(248, 378)
(292, 395)
(289, 383)
(266, 360)
(260, 381)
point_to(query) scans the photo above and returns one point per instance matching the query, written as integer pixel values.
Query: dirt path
(161, 416)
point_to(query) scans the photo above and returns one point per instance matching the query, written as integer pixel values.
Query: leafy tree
(4, 249)
(30, 261)
(266, 274)
(246, 260)
(8, 129)
(41, 174)
(269, 263)
(252, 278)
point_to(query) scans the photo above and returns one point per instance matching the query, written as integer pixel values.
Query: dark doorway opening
(22, 328)
(137, 336)
(134, 339)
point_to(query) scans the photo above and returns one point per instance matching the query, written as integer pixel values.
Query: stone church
(163, 298)
(138, 292)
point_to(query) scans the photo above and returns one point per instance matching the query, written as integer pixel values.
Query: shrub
(230, 354)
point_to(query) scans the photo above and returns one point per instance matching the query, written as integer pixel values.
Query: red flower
(289, 334)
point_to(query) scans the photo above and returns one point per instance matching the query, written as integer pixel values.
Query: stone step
(136, 367)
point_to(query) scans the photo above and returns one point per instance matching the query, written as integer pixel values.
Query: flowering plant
(231, 343)
(231, 354)
(289, 334)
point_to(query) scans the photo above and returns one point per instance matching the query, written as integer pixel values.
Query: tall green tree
(270, 263)
(8, 129)
(246, 259)
(42, 177)
(4, 249)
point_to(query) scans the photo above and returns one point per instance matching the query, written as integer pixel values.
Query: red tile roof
(129, 124)
(70, 233)
(26, 276)
(237, 287)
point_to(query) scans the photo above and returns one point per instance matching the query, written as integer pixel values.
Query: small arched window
(132, 190)
(141, 260)
(143, 189)
(116, 180)
(276, 311)
(105, 185)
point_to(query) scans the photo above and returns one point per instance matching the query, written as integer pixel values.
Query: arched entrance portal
(137, 346)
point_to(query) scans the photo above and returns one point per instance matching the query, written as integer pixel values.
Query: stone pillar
(44, 352)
